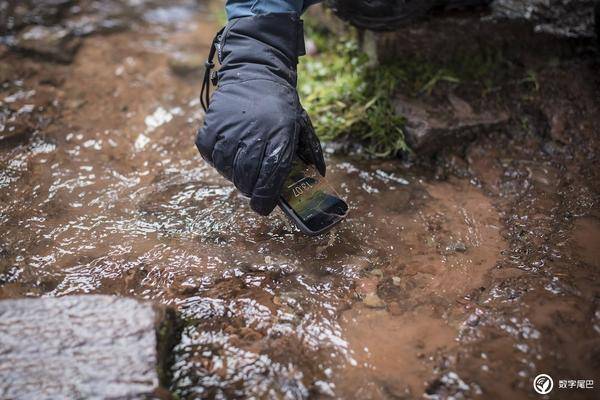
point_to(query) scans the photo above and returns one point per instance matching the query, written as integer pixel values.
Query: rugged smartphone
(310, 201)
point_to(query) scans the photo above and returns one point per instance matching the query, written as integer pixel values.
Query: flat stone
(92, 347)
(54, 43)
(430, 126)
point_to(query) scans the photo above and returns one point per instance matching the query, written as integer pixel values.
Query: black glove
(255, 124)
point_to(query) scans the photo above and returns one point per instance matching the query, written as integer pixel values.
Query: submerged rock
(450, 385)
(80, 347)
(456, 247)
(372, 300)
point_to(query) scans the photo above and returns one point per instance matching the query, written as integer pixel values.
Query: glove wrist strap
(210, 76)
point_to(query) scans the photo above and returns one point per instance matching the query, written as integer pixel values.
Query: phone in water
(310, 201)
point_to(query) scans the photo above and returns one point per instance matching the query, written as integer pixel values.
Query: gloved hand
(255, 124)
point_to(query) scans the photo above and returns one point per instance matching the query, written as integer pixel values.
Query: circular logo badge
(543, 384)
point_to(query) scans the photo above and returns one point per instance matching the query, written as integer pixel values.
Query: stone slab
(79, 347)
(430, 126)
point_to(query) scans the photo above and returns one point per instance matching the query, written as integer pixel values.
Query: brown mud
(465, 275)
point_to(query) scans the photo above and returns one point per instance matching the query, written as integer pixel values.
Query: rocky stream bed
(461, 272)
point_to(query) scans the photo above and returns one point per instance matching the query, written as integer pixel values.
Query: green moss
(221, 16)
(346, 97)
(168, 334)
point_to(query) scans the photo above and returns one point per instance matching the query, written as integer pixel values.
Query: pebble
(473, 320)
(377, 272)
(460, 247)
(367, 285)
(6, 72)
(372, 300)
(456, 247)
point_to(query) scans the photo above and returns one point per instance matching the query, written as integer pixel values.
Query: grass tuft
(346, 98)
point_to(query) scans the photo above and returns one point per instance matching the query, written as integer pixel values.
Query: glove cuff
(264, 46)
(282, 31)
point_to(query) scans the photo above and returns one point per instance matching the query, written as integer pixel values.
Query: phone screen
(312, 199)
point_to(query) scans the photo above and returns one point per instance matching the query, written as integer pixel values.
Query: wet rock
(75, 104)
(16, 14)
(6, 72)
(429, 127)
(558, 125)
(14, 127)
(450, 385)
(54, 43)
(456, 247)
(473, 320)
(25, 112)
(372, 300)
(367, 285)
(79, 17)
(544, 176)
(96, 24)
(209, 363)
(183, 64)
(553, 148)
(377, 273)
(460, 247)
(81, 347)
(487, 169)
(571, 18)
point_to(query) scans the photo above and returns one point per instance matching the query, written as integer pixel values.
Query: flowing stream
(438, 285)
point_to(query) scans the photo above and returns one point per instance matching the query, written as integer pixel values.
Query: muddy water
(465, 282)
